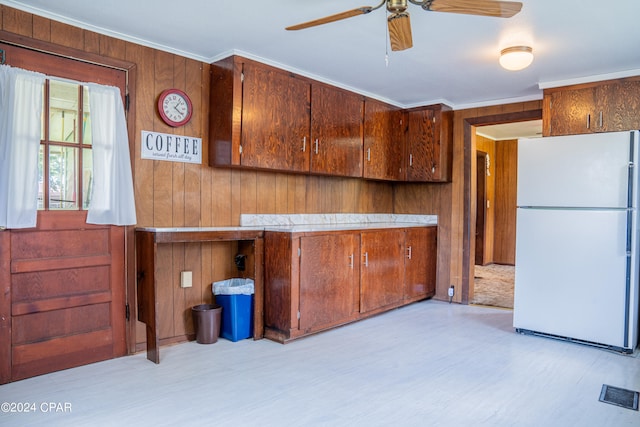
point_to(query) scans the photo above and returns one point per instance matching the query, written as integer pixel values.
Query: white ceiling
(529, 129)
(454, 59)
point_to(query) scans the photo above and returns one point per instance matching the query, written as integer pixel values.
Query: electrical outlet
(185, 279)
(451, 290)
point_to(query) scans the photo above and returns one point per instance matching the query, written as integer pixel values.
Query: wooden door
(384, 141)
(382, 269)
(336, 131)
(481, 205)
(275, 120)
(420, 262)
(67, 296)
(328, 280)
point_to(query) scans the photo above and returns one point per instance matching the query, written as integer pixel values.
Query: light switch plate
(185, 279)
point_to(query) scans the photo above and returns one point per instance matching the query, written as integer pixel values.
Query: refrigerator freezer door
(570, 274)
(574, 171)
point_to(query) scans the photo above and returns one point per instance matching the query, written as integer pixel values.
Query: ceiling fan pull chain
(386, 44)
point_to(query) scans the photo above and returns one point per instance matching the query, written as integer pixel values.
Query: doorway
(495, 218)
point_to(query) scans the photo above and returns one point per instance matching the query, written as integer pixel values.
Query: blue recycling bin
(235, 296)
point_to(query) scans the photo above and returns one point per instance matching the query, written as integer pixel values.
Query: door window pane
(63, 177)
(65, 164)
(63, 111)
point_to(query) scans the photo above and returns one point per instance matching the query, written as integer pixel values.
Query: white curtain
(112, 200)
(20, 129)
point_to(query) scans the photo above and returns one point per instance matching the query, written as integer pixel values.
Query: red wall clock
(175, 107)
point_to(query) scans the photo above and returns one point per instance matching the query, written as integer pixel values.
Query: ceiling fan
(399, 24)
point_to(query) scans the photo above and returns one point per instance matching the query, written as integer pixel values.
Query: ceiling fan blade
(500, 9)
(331, 18)
(400, 31)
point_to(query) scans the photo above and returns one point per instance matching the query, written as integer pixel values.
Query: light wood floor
(427, 364)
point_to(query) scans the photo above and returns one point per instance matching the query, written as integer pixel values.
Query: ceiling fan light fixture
(516, 58)
(400, 31)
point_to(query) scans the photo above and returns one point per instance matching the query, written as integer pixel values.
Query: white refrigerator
(576, 272)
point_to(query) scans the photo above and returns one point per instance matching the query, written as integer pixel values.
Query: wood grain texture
(275, 119)
(381, 267)
(278, 282)
(606, 106)
(384, 141)
(506, 159)
(420, 262)
(328, 280)
(5, 305)
(336, 131)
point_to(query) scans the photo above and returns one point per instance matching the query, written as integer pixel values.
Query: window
(65, 159)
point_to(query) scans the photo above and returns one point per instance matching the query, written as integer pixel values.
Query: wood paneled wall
(178, 194)
(506, 172)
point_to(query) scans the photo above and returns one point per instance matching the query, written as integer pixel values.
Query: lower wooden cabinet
(319, 280)
(328, 281)
(382, 269)
(420, 263)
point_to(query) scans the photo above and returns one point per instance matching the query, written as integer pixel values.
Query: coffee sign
(171, 148)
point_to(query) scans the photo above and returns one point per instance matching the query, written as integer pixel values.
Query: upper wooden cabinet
(263, 117)
(384, 129)
(259, 117)
(336, 131)
(594, 107)
(429, 144)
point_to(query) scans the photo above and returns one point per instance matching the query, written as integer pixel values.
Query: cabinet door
(618, 106)
(328, 280)
(275, 119)
(428, 140)
(382, 269)
(336, 132)
(420, 262)
(572, 112)
(383, 141)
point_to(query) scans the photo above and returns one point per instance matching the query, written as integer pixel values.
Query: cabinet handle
(600, 120)
(368, 154)
(351, 261)
(304, 144)
(409, 252)
(410, 159)
(366, 259)
(433, 169)
(316, 145)
(588, 120)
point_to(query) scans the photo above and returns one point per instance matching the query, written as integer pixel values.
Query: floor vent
(619, 396)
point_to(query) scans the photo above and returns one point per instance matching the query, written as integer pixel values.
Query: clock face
(174, 107)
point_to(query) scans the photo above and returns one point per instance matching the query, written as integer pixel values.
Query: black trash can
(206, 321)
